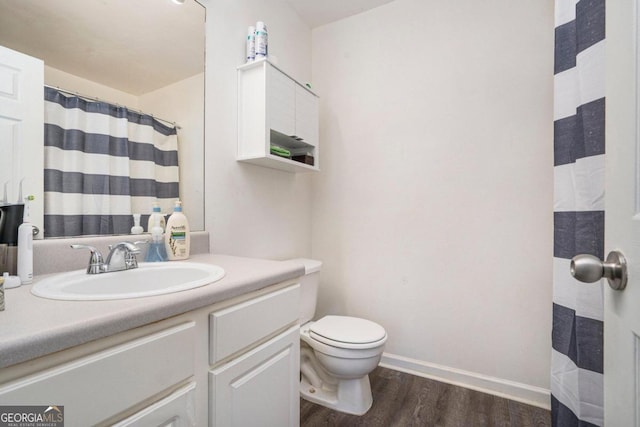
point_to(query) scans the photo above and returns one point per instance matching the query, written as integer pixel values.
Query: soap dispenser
(155, 212)
(156, 252)
(137, 228)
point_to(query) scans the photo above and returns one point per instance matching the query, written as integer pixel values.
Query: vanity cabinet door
(259, 388)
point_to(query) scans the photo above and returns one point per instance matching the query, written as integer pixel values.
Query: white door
(622, 215)
(22, 129)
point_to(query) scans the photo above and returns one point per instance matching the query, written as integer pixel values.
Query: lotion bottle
(25, 246)
(177, 240)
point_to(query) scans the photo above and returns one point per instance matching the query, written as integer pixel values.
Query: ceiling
(316, 13)
(151, 43)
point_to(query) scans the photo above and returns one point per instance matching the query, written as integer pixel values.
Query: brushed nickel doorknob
(589, 269)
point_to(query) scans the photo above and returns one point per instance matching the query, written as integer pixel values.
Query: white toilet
(337, 353)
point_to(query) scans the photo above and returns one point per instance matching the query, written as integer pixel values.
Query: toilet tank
(309, 284)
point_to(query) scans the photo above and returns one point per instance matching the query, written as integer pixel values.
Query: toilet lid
(347, 330)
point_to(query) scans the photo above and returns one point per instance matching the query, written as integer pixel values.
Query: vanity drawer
(239, 326)
(175, 410)
(101, 385)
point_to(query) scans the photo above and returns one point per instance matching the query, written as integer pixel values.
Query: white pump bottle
(25, 246)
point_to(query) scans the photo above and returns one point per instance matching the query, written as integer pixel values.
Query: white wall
(251, 210)
(433, 211)
(183, 103)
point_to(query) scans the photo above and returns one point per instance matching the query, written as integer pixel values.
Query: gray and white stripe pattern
(102, 163)
(579, 147)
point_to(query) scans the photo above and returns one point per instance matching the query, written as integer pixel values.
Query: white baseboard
(524, 393)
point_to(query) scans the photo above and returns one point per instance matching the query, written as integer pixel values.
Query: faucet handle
(96, 262)
(129, 247)
(130, 250)
(131, 261)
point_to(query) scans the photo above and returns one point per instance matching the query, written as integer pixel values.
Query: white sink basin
(148, 279)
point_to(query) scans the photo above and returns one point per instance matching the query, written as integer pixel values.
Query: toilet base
(349, 396)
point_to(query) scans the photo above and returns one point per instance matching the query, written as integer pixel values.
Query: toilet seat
(348, 332)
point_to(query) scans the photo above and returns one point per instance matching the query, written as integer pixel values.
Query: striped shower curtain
(579, 147)
(104, 163)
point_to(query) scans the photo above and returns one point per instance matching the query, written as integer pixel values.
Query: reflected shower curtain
(102, 164)
(579, 147)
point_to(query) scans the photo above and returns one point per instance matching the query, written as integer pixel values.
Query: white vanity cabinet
(275, 109)
(233, 363)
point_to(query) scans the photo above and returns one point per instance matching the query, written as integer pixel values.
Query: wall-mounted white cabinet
(276, 110)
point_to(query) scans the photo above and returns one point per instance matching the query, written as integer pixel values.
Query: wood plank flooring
(403, 400)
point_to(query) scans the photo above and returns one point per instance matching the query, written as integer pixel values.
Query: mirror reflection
(123, 108)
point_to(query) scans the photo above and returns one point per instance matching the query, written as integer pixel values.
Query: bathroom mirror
(147, 55)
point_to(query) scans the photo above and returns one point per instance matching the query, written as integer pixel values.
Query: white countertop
(31, 327)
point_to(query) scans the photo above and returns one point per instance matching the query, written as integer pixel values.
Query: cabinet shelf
(277, 162)
(274, 109)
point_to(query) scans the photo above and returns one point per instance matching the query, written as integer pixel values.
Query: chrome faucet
(121, 257)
